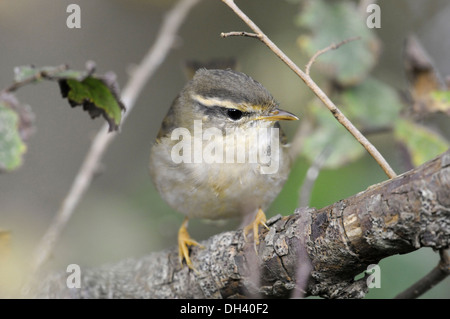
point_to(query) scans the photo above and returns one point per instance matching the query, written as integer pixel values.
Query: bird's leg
(260, 219)
(184, 240)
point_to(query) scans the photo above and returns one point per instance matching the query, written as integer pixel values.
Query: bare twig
(436, 275)
(316, 89)
(336, 243)
(239, 34)
(155, 56)
(333, 46)
(39, 75)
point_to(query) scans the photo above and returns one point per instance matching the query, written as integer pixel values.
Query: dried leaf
(424, 81)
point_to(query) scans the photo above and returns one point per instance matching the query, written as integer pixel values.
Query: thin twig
(239, 34)
(154, 57)
(36, 77)
(316, 89)
(333, 46)
(436, 275)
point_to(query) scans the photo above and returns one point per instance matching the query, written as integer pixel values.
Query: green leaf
(422, 143)
(331, 22)
(329, 133)
(96, 97)
(12, 147)
(371, 105)
(97, 94)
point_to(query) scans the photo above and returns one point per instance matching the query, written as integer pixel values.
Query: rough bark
(332, 244)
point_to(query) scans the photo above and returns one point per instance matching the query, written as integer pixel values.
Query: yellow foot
(184, 240)
(260, 219)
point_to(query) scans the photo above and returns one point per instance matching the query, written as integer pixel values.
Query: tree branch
(338, 242)
(316, 89)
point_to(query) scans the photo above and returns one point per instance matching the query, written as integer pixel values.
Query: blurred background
(122, 215)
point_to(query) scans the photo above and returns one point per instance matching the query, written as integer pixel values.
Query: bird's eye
(234, 114)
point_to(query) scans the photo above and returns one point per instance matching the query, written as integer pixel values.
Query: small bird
(220, 152)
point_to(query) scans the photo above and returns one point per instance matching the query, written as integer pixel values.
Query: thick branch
(397, 216)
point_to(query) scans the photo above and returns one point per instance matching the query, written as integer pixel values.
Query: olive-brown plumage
(240, 109)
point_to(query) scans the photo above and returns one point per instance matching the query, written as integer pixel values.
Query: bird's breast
(226, 175)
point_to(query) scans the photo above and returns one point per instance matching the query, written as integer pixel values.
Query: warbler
(220, 152)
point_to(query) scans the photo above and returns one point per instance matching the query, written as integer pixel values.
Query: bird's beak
(278, 115)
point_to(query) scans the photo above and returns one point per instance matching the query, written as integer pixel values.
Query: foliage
(97, 94)
(370, 104)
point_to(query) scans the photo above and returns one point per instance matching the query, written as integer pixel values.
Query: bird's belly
(217, 191)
